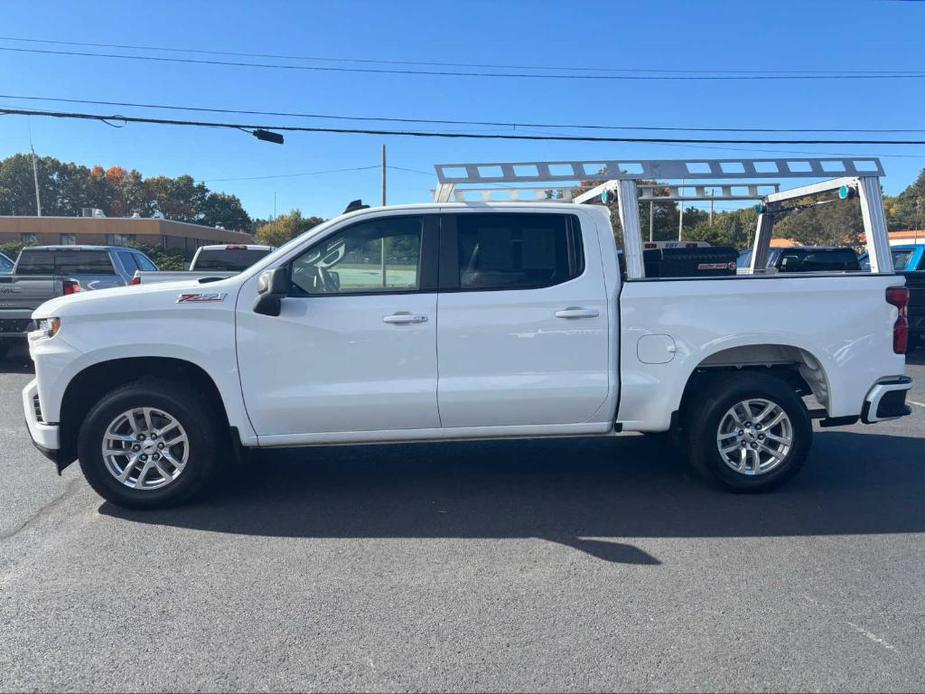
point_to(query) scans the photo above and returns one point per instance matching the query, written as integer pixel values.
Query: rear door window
(127, 259)
(145, 263)
(513, 251)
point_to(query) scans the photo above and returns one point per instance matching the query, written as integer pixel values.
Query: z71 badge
(201, 298)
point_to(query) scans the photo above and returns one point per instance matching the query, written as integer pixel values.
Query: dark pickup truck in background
(42, 273)
(915, 281)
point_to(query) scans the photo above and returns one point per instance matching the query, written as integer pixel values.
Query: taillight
(71, 287)
(135, 280)
(899, 297)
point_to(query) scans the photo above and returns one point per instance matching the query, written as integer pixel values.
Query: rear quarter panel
(843, 321)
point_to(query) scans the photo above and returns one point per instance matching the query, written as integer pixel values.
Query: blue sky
(744, 35)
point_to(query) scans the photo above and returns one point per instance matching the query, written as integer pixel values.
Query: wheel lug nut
(160, 445)
(761, 437)
(136, 447)
(741, 432)
(141, 437)
(754, 445)
(157, 456)
(144, 457)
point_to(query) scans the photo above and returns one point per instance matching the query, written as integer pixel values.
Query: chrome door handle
(576, 312)
(405, 317)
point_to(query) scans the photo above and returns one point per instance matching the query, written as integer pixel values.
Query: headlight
(46, 328)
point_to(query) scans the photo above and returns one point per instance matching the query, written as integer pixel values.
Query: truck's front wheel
(149, 444)
(749, 432)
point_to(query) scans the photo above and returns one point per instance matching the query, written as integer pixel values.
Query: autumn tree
(285, 227)
(65, 188)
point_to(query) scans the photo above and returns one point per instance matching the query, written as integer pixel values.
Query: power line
(383, 61)
(435, 121)
(449, 135)
(456, 73)
(291, 175)
(417, 171)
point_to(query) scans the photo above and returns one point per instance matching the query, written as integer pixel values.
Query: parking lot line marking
(920, 404)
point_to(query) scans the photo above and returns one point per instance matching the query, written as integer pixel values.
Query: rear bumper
(45, 437)
(887, 400)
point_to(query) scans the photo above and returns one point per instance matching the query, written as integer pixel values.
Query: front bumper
(887, 400)
(45, 437)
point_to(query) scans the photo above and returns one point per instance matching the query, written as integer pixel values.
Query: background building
(117, 231)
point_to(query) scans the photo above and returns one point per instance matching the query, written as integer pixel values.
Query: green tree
(907, 210)
(221, 209)
(17, 190)
(285, 227)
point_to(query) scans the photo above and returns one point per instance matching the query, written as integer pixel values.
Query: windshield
(901, 259)
(64, 262)
(234, 259)
(294, 242)
(6, 265)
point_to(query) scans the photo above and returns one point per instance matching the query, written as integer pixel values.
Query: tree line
(65, 188)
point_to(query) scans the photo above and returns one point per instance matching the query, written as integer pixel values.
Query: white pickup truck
(209, 262)
(452, 321)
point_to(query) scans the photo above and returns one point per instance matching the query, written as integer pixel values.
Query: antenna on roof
(355, 205)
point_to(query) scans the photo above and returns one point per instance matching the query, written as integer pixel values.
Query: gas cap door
(656, 348)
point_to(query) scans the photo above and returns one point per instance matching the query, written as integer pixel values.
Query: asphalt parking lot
(557, 565)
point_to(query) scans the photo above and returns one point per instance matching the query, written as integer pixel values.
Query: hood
(130, 298)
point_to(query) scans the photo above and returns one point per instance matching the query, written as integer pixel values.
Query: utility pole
(35, 175)
(382, 240)
(651, 221)
(712, 195)
(681, 218)
(383, 175)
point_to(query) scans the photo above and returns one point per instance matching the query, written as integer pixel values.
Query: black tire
(4, 349)
(716, 397)
(186, 407)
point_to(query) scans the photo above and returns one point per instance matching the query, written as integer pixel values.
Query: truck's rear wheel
(148, 445)
(750, 432)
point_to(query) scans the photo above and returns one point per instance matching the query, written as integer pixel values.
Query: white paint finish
(527, 357)
(843, 321)
(139, 321)
(328, 371)
(332, 363)
(656, 348)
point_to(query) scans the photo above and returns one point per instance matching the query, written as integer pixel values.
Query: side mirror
(272, 286)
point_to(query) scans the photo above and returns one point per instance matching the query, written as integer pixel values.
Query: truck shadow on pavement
(16, 361)
(595, 495)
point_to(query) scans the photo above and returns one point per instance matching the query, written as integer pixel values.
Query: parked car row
(42, 273)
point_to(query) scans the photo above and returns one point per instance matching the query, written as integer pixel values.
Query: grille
(37, 408)
(17, 325)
